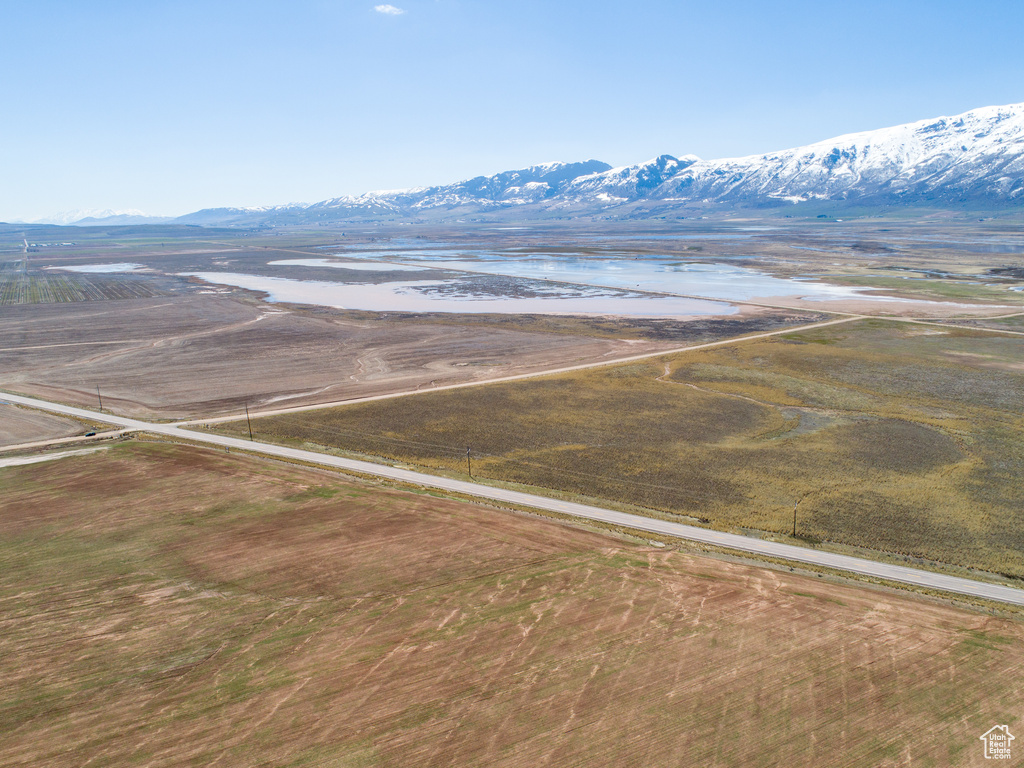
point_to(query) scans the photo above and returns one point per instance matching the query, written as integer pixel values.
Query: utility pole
(794, 518)
(248, 422)
(469, 464)
(99, 397)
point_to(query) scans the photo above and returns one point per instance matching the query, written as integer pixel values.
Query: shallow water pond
(468, 296)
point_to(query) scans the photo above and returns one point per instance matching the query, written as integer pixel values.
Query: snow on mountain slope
(628, 182)
(510, 187)
(976, 158)
(978, 155)
(240, 216)
(527, 185)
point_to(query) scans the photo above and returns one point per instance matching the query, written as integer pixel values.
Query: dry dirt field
(172, 606)
(199, 355)
(21, 425)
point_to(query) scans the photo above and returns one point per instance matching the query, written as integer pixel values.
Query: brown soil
(202, 355)
(174, 606)
(20, 425)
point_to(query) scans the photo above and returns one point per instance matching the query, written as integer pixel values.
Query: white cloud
(390, 10)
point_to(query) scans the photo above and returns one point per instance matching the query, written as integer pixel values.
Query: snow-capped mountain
(631, 182)
(511, 188)
(974, 159)
(503, 190)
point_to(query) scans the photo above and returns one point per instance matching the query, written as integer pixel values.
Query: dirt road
(521, 376)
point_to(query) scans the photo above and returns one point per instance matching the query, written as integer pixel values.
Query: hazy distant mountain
(239, 216)
(106, 216)
(108, 219)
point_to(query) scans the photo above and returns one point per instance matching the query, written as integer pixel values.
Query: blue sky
(173, 106)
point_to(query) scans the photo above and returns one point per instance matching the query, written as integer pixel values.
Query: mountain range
(973, 161)
(106, 217)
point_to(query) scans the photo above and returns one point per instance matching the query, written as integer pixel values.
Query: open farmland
(195, 355)
(21, 425)
(176, 606)
(160, 344)
(61, 289)
(887, 436)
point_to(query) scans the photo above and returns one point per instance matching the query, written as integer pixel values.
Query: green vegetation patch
(19, 288)
(945, 290)
(886, 435)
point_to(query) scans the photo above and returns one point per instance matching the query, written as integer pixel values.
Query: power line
(452, 455)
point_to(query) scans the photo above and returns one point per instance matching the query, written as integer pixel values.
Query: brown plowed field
(199, 355)
(173, 606)
(20, 425)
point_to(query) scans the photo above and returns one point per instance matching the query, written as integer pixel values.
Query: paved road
(857, 565)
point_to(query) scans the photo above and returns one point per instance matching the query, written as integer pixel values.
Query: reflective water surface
(719, 281)
(467, 296)
(122, 266)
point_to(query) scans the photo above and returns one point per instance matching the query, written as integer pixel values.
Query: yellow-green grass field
(174, 606)
(941, 290)
(891, 436)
